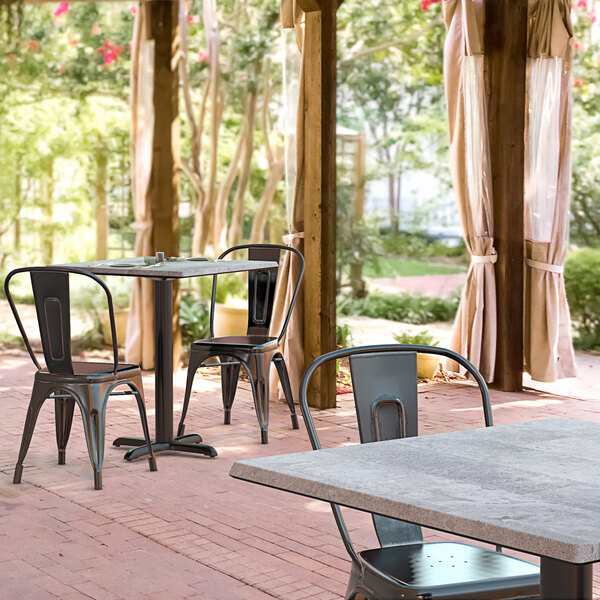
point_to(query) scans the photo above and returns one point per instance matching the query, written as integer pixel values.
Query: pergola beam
(505, 65)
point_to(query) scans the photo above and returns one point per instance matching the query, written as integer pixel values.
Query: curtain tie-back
(290, 237)
(544, 266)
(486, 258)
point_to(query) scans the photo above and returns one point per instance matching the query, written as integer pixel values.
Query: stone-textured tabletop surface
(175, 269)
(530, 486)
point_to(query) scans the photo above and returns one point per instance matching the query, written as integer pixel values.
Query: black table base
(565, 581)
(185, 443)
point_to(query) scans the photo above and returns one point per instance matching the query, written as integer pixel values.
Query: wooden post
(320, 195)
(164, 178)
(505, 64)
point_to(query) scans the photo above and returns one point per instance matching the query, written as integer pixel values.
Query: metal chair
(256, 350)
(384, 380)
(87, 384)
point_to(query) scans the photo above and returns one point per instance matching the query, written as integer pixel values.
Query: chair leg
(286, 387)
(38, 396)
(193, 365)
(63, 411)
(93, 411)
(139, 396)
(258, 366)
(229, 381)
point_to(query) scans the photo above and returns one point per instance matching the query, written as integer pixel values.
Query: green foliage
(423, 338)
(404, 307)
(582, 282)
(194, 319)
(417, 245)
(343, 336)
(585, 206)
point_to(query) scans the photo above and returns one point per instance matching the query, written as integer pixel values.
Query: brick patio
(189, 531)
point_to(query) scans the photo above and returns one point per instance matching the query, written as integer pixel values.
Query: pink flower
(425, 4)
(61, 69)
(133, 10)
(96, 30)
(578, 82)
(202, 56)
(577, 45)
(592, 18)
(63, 8)
(582, 4)
(109, 57)
(33, 45)
(194, 18)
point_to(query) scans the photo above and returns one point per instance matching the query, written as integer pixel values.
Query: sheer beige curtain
(139, 347)
(474, 333)
(293, 347)
(548, 346)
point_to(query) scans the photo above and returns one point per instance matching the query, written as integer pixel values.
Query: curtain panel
(548, 348)
(139, 347)
(474, 332)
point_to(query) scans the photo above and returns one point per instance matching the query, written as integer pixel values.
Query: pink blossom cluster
(590, 11)
(425, 4)
(61, 9)
(110, 51)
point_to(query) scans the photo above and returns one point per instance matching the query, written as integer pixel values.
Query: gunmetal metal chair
(384, 380)
(87, 384)
(256, 350)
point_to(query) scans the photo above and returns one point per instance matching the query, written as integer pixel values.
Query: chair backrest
(384, 382)
(261, 287)
(51, 294)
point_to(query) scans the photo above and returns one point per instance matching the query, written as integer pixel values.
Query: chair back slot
(261, 290)
(386, 400)
(52, 305)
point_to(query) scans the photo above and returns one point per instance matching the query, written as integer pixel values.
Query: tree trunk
(394, 222)
(236, 229)
(257, 235)
(101, 214)
(47, 209)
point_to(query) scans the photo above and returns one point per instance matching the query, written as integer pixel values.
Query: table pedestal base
(184, 443)
(565, 581)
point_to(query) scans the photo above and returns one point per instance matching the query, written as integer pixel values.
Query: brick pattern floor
(189, 531)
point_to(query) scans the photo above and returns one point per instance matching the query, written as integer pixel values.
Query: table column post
(163, 352)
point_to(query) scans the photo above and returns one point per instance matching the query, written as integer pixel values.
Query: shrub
(194, 318)
(424, 338)
(404, 307)
(343, 336)
(582, 281)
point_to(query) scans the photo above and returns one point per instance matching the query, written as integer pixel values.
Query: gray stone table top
(176, 269)
(531, 486)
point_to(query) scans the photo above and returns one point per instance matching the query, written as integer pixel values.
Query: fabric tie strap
(487, 258)
(290, 237)
(544, 266)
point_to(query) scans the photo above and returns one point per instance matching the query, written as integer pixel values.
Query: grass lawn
(409, 267)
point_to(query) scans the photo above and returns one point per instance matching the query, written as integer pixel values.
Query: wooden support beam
(310, 5)
(320, 196)
(505, 64)
(164, 179)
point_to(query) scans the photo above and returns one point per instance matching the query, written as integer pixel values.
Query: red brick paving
(189, 531)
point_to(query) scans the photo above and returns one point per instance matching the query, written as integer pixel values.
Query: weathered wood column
(320, 192)
(505, 64)
(164, 178)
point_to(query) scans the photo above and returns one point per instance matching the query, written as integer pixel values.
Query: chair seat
(92, 371)
(457, 570)
(245, 341)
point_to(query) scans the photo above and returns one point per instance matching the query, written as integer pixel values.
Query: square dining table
(533, 487)
(163, 275)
